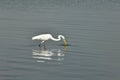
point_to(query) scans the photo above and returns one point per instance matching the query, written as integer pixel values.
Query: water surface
(90, 26)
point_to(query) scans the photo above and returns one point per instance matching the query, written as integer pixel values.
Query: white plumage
(45, 37)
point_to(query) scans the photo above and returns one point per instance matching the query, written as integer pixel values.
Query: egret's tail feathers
(33, 38)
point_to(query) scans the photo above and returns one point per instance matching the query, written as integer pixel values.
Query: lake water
(91, 27)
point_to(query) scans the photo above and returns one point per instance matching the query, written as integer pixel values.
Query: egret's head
(64, 40)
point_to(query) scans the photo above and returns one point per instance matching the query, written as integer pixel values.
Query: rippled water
(92, 29)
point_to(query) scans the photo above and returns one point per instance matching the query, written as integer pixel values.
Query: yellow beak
(65, 42)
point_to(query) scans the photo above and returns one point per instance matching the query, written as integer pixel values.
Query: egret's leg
(41, 44)
(44, 45)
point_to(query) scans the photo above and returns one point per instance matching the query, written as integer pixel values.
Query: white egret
(45, 37)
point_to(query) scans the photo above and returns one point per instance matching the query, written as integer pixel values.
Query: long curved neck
(59, 38)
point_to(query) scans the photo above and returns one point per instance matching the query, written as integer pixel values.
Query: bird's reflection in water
(49, 55)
